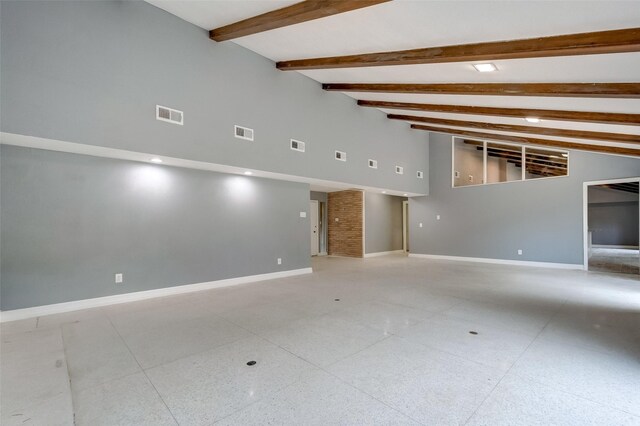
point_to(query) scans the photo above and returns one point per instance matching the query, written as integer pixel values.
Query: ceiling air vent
(420, 175)
(373, 164)
(169, 115)
(399, 170)
(341, 156)
(243, 133)
(297, 145)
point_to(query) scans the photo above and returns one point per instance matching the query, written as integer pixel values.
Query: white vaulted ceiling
(406, 24)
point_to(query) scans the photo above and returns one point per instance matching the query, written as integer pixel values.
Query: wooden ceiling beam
(568, 90)
(544, 114)
(546, 131)
(593, 43)
(532, 141)
(290, 15)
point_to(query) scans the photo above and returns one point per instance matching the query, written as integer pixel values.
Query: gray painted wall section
(70, 222)
(383, 222)
(91, 72)
(542, 217)
(614, 223)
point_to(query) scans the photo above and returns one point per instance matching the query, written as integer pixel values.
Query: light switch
(420, 224)
(303, 214)
(437, 217)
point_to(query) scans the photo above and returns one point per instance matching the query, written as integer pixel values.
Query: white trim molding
(613, 246)
(383, 253)
(500, 261)
(38, 311)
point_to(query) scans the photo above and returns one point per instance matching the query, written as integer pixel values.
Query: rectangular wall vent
(297, 145)
(419, 175)
(399, 170)
(243, 133)
(341, 156)
(373, 164)
(169, 115)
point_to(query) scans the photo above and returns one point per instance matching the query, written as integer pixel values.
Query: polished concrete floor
(616, 260)
(389, 340)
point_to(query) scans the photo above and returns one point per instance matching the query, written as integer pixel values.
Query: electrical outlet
(303, 214)
(519, 252)
(470, 178)
(420, 225)
(118, 278)
(279, 261)
(437, 217)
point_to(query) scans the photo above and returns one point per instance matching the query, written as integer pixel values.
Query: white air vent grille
(297, 145)
(399, 170)
(420, 175)
(243, 133)
(373, 164)
(341, 156)
(169, 115)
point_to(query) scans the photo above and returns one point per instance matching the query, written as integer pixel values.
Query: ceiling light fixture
(405, 195)
(532, 119)
(384, 192)
(485, 67)
(565, 155)
(156, 160)
(248, 173)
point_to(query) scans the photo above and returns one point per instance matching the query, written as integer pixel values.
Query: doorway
(612, 226)
(314, 221)
(405, 226)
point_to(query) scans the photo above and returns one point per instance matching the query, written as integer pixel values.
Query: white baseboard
(613, 246)
(324, 253)
(38, 311)
(383, 253)
(500, 261)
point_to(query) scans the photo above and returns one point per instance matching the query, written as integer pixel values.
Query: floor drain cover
(251, 363)
(473, 332)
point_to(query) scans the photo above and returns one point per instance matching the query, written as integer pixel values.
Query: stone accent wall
(346, 233)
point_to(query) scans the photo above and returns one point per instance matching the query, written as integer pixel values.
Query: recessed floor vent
(169, 115)
(341, 156)
(297, 145)
(243, 133)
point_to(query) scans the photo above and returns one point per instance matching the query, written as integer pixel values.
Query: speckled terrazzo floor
(548, 347)
(621, 261)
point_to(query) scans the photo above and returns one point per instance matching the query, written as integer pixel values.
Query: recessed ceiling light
(156, 160)
(405, 195)
(564, 154)
(248, 173)
(384, 192)
(485, 67)
(532, 119)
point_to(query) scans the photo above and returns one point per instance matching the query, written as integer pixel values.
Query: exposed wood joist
(532, 141)
(545, 114)
(569, 90)
(546, 131)
(291, 15)
(623, 187)
(614, 41)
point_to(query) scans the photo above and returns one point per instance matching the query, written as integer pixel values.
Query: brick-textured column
(346, 234)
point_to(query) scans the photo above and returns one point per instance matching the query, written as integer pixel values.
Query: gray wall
(91, 72)
(613, 216)
(542, 217)
(70, 222)
(383, 222)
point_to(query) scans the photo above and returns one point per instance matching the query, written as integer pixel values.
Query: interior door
(315, 235)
